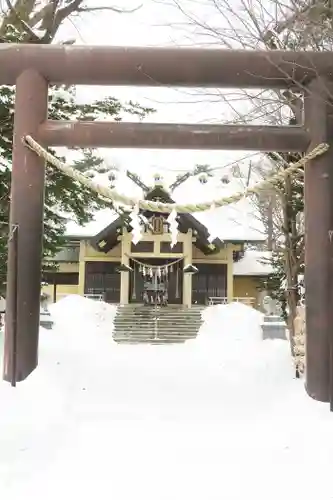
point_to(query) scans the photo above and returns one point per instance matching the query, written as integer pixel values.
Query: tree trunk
(291, 264)
(270, 223)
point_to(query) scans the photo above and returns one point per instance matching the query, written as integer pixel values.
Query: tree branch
(33, 38)
(45, 13)
(57, 18)
(118, 10)
(286, 23)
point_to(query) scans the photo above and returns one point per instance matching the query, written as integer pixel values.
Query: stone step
(162, 310)
(159, 320)
(169, 307)
(153, 315)
(151, 312)
(175, 333)
(166, 326)
(143, 324)
(150, 341)
(152, 335)
(162, 320)
(119, 319)
(148, 312)
(143, 321)
(157, 324)
(176, 328)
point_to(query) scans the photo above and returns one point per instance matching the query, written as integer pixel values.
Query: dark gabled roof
(105, 240)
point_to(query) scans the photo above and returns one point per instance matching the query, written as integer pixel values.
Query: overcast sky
(159, 23)
(156, 23)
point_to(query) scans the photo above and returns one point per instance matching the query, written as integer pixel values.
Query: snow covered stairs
(137, 323)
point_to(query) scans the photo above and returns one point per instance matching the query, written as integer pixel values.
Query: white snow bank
(80, 311)
(219, 417)
(233, 322)
(80, 340)
(82, 331)
(80, 324)
(254, 370)
(79, 314)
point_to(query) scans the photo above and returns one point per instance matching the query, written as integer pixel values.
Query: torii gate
(32, 68)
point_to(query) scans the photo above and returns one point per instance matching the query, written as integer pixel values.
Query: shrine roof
(238, 222)
(253, 263)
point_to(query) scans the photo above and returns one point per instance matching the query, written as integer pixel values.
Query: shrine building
(199, 268)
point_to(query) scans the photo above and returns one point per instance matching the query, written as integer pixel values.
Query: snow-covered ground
(220, 417)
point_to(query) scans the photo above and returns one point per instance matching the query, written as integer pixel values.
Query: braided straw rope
(155, 267)
(154, 206)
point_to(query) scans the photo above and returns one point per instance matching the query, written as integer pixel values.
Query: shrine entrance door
(156, 281)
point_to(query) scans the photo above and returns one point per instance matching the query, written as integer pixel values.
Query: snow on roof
(236, 222)
(104, 217)
(253, 264)
(101, 219)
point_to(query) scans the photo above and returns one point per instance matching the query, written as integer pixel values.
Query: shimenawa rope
(154, 206)
(154, 266)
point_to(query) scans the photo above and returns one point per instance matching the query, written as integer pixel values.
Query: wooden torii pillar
(319, 243)
(31, 68)
(26, 217)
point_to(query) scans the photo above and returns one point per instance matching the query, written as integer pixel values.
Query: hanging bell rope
(153, 206)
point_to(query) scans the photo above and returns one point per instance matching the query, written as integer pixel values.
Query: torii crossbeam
(32, 68)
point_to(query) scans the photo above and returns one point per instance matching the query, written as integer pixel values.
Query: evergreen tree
(62, 195)
(288, 254)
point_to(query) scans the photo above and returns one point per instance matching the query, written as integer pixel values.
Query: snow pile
(80, 313)
(81, 326)
(82, 332)
(235, 322)
(162, 422)
(230, 342)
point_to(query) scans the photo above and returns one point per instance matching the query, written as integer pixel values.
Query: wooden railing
(249, 301)
(94, 296)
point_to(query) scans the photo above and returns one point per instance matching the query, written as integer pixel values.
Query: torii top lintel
(154, 67)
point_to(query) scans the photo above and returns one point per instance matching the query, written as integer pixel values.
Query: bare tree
(267, 25)
(40, 20)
